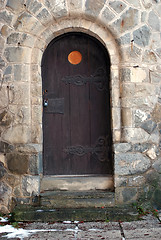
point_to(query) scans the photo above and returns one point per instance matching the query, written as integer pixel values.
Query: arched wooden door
(76, 107)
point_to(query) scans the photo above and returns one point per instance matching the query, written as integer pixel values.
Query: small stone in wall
(141, 36)
(2, 170)
(149, 126)
(152, 153)
(30, 185)
(5, 118)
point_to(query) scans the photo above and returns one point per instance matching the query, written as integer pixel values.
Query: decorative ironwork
(100, 149)
(99, 78)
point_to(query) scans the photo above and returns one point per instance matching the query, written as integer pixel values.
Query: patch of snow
(52, 210)
(39, 210)
(3, 220)
(67, 222)
(76, 221)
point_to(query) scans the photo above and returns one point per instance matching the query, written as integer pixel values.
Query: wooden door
(76, 107)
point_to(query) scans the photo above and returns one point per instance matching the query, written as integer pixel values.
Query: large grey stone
(6, 17)
(154, 21)
(141, 36)
(58, 8)
(122, 147)
(5, 194)
(118, 6)
(129, 194)
(107, 14)
(127, 20)
(15, 5)
(125, 39)
(131, 163)
(149, 126)
(33, 6)
(93, 7)
(18, 54)
(17, 163)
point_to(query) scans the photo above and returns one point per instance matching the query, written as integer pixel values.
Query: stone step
(77, 199)
(43, 214)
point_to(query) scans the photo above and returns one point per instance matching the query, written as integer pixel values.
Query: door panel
(76, 118)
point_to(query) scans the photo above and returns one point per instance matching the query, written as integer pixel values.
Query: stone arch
(98, 31)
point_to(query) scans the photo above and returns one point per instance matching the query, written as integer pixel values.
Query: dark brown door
(76, 112)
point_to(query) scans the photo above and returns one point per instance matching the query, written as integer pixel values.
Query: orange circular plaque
(75, 57)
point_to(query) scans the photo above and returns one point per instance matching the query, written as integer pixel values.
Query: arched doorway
(76, 114)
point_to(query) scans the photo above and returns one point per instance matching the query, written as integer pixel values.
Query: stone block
(117, 6)
(152, 153)
(125, 39)
(116, 118)
(125, 75)
(30, 185)
(6, 17)
(17, 163)
(8, 70)
(44, 16)
(75, 6)
(121, 181)
(147, 3)
(129, 194)
(58, 8)
(15, 6)
(34, 165)
(135, 3)
(21, 114)
(134, 135)
(138, 75)
(36, 134)
(127, 20)
(5, 194)
(5, 30)
(2, 170)
(156, 114)
(33, 6)
(21, 39)
(107, 14)
(36, 114)
(152, 178)
(154, 137)
(154, 21)
(148, 126)
(2, 42)
(142, 35)
(141, 147)
(131, 163)
(13, 180)
(122, 147)
(93, 8)
(140, 116)
(21, 72)
(136, 181)
(132, 53)
(19, 94)
(149, 57)
(155, 77)
(5, 118)
(126, 117)
(18, 54)
(17, 134)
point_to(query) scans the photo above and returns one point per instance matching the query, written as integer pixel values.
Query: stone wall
(130, 30)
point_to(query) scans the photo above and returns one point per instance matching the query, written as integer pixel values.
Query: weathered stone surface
(125, 39)
(18, 54)
(33, 6)
(118, 6)
(30, 185)
(135, 3)
(5, 30)
(155, 77)
(93, 7)
(75, 5)
(132, 54)
(128, 20)
(6, 17)
(157, 165)
(138, 75)
(126, 117)
(8, 70)
(2, 170)
(129, 194)
(107, 14)
(2, 41)
(154, 21)
(58, 8)
(5, 147)
(135, 135)
(13, 180)
(148, 126)
(122, 147)
(125, 74)
(2, 2)
(131, 163)
(21, 114)
(141, 36)
(5, 194)
(147, 3)
(141, 147)
(121, 181)
(20, 39)
(140, 116)
(154, 137)
(15, 6)
(17, 163)
(2, 63)
(156, 198)
(136, 181)
(21, 72)
(152, 152)
(34, 165)
(17, 134)
(152, 178)
(44, 16)
(156, 114)
(5, 118)
(149, 56)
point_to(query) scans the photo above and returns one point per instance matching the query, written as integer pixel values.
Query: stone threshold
(77, 183)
